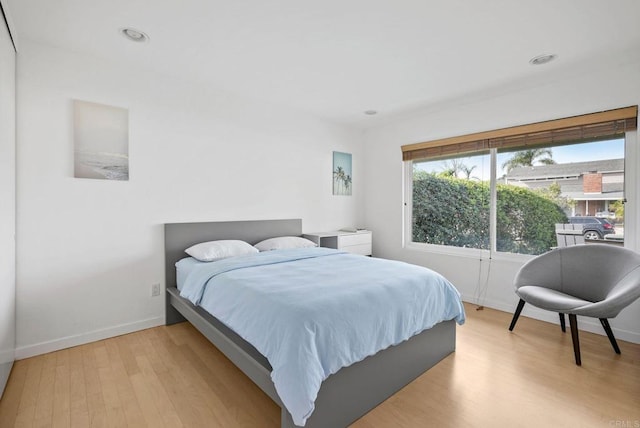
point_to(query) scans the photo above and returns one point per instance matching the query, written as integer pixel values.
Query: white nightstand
(353, 242)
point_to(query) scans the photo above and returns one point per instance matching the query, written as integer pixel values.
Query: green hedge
(453, 211)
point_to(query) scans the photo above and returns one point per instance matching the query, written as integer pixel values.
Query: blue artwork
(342, 174)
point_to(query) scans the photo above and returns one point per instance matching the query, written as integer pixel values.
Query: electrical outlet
(155, 290)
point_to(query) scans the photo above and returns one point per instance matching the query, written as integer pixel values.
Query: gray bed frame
(344, 396)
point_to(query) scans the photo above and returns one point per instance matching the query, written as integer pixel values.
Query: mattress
(184, 268)
(312, 311)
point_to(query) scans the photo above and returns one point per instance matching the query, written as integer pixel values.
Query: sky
(601, 150)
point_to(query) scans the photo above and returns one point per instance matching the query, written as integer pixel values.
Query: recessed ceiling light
(134, 35)
(542, 59)
(370, 112)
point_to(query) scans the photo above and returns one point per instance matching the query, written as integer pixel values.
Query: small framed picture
(101, 141)
(342, 174)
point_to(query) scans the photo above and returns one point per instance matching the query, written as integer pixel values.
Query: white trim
(615, 196)
(512, 257)
(631, 191)
(407, 209)
(81, 339)
(493, 202)
(471, 253)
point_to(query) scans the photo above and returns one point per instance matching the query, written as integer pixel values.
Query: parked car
(593, 227)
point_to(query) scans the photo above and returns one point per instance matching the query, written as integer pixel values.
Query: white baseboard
(591, 325)
(81, 339)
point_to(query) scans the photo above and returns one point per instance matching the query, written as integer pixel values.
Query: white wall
(7, 205)
(89, 250)
(612, 85)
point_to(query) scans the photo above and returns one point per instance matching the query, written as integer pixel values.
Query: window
(539, 188)
(507, 193)
(451, 201)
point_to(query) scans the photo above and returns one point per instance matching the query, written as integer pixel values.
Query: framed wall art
(342, 174)
(101, 141)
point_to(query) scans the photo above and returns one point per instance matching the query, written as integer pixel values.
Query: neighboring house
(592, 185)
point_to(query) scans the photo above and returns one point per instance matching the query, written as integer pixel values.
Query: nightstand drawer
(362, 249)
(354, 239)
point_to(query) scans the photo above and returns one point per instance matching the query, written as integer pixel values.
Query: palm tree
(339, 175)
(456, 167)
(452, 167)
(467, 170)
(529, 157)
(347, 183)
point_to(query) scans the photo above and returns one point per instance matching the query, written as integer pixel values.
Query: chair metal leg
(573, 323)
(612, 339)
(516, 314)
(562, 324)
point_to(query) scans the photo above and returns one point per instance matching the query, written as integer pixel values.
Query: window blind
(591, 127)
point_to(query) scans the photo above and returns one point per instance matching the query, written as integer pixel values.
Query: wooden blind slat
(449, 150)
(575, 129)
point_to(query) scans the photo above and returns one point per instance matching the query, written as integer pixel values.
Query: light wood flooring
(172, 376)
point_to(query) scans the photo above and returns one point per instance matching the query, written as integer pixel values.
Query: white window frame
(631, 190)
(632, 220)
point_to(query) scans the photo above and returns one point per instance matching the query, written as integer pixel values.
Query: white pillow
(216, 250)
(283, 243)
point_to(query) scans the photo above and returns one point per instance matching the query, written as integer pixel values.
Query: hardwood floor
(173, 377)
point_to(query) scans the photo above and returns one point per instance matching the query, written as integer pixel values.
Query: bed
(345, 395)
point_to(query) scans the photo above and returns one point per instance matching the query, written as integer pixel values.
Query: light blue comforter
(313, 311)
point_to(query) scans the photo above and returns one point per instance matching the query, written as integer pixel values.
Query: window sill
(470, 253)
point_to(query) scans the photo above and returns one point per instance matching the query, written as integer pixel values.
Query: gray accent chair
(595, 280)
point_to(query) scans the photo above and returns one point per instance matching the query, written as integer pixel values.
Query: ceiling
(338, 58)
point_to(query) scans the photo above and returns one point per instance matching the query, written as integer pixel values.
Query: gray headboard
(180, 236)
